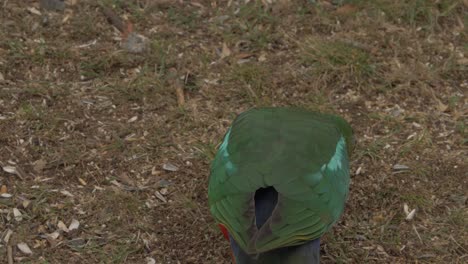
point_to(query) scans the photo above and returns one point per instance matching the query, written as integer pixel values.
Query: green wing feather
(302, 154)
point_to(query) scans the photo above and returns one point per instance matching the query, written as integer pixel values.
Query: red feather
(224, 231)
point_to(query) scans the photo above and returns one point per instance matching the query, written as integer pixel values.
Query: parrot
(279, 181)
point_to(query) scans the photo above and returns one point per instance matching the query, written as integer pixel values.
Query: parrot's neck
(308, 253)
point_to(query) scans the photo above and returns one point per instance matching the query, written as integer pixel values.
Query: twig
(417, 233)
(114, 19)
(10, 254)
(460, 246)
(179, 89)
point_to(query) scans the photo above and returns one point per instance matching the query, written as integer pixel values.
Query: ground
(105, 153)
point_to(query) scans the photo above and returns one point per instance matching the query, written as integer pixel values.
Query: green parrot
(278, 182)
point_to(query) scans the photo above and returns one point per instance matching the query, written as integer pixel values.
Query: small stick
(10, 254)
(417, 233)
(178, 87)
(114, 19)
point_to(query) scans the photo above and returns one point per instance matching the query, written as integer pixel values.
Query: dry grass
(90, 126)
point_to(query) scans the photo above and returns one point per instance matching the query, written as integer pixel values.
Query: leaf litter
(261, 64)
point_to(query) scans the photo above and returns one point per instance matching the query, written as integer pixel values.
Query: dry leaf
(74, 225)
(463, 61)
(163, 191)
(34, 11)
(23, 247)
(411, 215)
(17, 214)
(346, 9)
(170, 167)
(225, 52)
(180, 95)
(39, 165)
(61, 225)
(82, 182)
(3, 189)
(400, 167)
(6, 195)
(54, 235)
(9, 169)
(160, 197)
(26, 203)
(150, 260)
(66, 193)
(133, 119)
(406, 208)
(8, 234)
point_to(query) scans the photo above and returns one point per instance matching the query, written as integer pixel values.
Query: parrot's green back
(302, 154)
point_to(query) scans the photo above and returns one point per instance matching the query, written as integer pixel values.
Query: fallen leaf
(26, 203)
(461, 61)
(411, 215)
(17, 214)
(74, 225)
(135, 43)
(9, 169)
(61, 225)
(82, 182)
(23, 247)
(8, 234)
(400, 167)
(406, 208)
(150, 260)
(34, 11)
(39, 165)
(163, 191)
(180, 95)
(133, 119)
(6, 195)
(346, 9)
(225, 52)
(54, 235)
(170, 167)
(66, 193)
(3, 189)
(160, 197)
